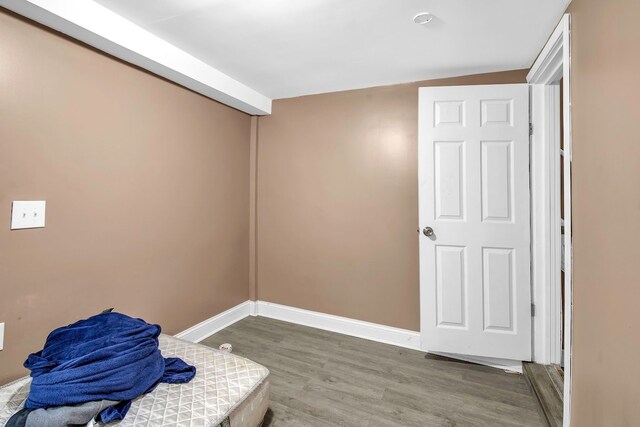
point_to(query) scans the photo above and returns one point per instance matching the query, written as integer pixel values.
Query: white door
(475, 294)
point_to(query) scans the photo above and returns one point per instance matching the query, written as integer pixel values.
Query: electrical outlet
(1, 336)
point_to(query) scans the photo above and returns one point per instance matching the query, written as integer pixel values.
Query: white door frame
(553, 64)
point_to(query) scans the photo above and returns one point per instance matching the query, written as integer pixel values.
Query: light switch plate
(27, 214)
(1, 336)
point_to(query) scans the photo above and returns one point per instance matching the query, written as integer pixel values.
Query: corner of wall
(253, 195)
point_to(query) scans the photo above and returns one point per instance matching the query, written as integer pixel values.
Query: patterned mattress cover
(222, 382)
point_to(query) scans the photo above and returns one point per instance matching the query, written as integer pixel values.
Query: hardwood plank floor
(321, 378)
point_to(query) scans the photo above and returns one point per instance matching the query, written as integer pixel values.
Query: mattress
(227, 390)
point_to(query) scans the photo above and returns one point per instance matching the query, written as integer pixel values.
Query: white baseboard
(210, 326)
(356, 328)
(328, 322)
(254, 307)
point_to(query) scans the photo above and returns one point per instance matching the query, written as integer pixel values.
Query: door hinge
(533, 310)
(530, 129)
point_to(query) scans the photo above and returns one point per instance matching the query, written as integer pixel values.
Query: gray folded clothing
(61, 416)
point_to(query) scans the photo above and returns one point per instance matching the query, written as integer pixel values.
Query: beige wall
(606, 190)
(338, 202)
(147, 190)
(148, 200)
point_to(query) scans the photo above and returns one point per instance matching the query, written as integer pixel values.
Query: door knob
(428, 231)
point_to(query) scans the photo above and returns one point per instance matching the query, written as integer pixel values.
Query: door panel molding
(475, 289)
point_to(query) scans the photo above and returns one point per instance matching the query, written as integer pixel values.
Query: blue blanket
(106, 357)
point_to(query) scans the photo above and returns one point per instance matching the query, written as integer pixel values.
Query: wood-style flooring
(320, 378)
(547, 383)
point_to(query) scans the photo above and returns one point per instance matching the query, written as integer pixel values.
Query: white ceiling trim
(105, 30)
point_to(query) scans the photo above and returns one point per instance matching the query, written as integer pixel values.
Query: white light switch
(27, 214)
(1, 336)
